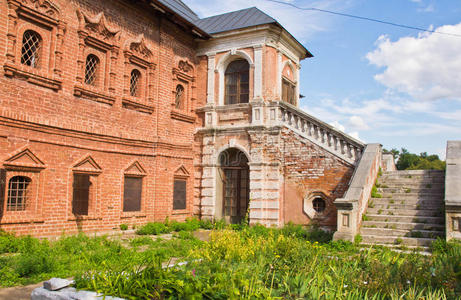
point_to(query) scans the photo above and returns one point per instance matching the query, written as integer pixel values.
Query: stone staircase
(410, 211)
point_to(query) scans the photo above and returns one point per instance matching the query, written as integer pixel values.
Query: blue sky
(395, 86)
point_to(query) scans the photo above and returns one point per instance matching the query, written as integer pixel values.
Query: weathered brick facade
(96, 94)
(62, 125)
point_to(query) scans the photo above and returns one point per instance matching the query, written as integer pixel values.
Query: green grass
(254, 262)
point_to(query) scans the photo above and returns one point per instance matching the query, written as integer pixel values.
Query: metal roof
(234, 20)
(181, 9)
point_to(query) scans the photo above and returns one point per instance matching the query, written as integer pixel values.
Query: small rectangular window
(288, 92)
(132, 194)
(81, 194)
(179, 194)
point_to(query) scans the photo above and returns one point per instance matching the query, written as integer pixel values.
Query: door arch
(235, 176)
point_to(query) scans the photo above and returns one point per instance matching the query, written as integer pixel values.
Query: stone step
(396, 240)
(404, 212)
(406, 180)
(412, 195)
(411, 191)
(401, 232)
(409, 201)
(415, 172)
(404, 219)
(414, 185)
(404, 226)
(399, 206)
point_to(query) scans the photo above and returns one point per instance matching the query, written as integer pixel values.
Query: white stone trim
(211, 77)
(258, 73)
(224, 61)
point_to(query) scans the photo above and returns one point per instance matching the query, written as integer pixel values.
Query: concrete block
(57, 283)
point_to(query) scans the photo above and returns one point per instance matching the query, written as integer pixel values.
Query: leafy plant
(123, 227)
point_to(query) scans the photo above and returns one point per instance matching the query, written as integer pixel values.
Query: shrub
(153, 229)
(123, 227)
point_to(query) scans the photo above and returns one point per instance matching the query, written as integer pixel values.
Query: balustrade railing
(320, 133)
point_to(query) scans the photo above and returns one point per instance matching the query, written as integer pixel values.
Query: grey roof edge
(227, 28)
(188, 18)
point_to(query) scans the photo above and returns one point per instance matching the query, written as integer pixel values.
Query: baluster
(329, 139)
(343, 144)
(316, 132)
(303, 126)
(349, 150)
(335, 142)
(309, 128)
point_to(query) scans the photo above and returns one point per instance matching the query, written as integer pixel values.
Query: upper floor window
(17, 193)
(91, 69)
(237, 82)
(31, 46)
(179, 98)
(288, 91)
(135, 79)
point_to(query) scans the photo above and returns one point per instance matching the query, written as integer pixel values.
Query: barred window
(135, 79)
(81, 195)
(319, 204)
(17, 193)
(91, 69)
(31, 47)
(179, 99)
(132, 194)
(179, 194)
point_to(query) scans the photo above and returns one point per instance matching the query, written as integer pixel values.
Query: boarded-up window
(179, 194)
(288, 92)
(81, 195)
(132, 194)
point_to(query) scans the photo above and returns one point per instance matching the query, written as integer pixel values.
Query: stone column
(258, 74)
(211, 79)
(453, 191)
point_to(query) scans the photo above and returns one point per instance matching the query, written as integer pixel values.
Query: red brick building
(125, 112)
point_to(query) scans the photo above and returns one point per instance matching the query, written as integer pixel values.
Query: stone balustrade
(318, 132)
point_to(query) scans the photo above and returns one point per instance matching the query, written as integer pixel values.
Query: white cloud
(356, 122)
(426, 67)
(338, 126)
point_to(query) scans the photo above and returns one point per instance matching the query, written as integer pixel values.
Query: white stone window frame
(295, 82)
(137, 55)
(308, 207)
(45, 20)
(223, 63)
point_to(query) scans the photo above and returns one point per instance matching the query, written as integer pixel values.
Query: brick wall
(51, 112)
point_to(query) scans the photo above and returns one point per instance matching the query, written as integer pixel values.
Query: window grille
(179, 194)
(237, 82)
(134, 82)
(81, 195)
(30, 51)
(91, 68)
(179, 100)
(319, 205)
(17, 193)
(132, 194)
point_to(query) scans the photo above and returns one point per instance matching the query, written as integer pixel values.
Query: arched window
(179, 98)
(91, 69)
(135, 79)
(319, 204)
(31, 48)
(237, 82)
(17, 193)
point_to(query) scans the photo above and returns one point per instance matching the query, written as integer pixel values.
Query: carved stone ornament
(98, 26)
(139, 47)
(184, 66)
(43, 6)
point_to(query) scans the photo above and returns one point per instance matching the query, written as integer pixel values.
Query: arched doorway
(235, 177)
